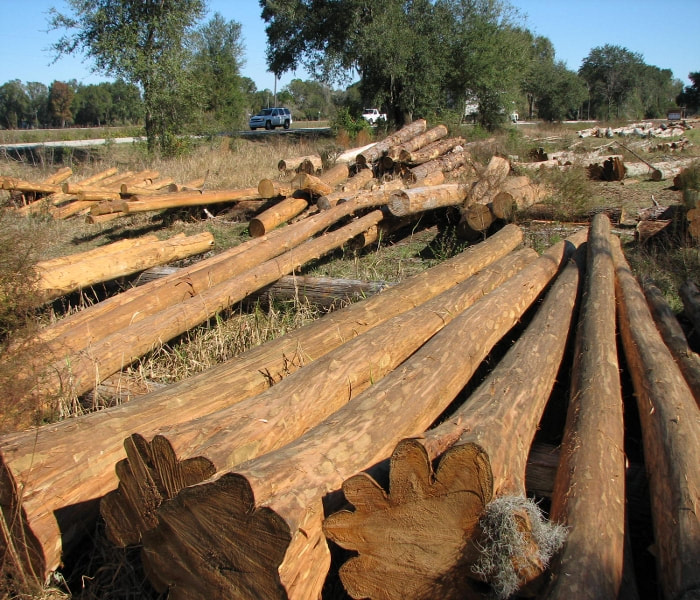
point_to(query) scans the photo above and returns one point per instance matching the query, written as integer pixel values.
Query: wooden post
(671, 436)
(155, 472)
(51, 460)
(281, 492)
(589, 490)
(432, 517)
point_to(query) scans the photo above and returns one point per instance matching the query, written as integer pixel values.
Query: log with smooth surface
(670, 422)
(589, 489)
(267, 188)
(180, 199)
(414, 541)
(311, 184)
(420, 199)
(83, 272)
(156, 471)
(57, 470)
(274, 216)
(274, 502)
(366, 158)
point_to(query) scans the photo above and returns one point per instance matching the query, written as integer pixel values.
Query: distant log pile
(642, 130)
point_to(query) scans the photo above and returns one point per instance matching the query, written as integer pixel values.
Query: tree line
(174, 72)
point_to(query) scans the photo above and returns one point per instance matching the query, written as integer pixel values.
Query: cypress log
(267, 188)
(281, 492)
(59, 176)
(515, 194)
(420, 199)
(180, 199)
(483, 449)
(276, 215)
(448, 162)
(311, 184)
(51, 460)
(336, 175)
(674, 337)
(109, 207)
(350, 156)
(111, 353)
(352, 185)
(431, 151)
(20, 185)
(308, 164)
(478, 217)
(490, 180)
(99, 251)
(375, 152)
(98, 196)
(59, 280)
(670, 435)
(73, 208)
(156, 471)
(394, 153)
(589, 490)
(690, 297)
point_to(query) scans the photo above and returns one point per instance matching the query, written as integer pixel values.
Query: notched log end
(150, 475)
(515, 544)
(212, 541)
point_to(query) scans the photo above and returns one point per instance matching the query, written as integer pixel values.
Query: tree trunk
(415, 540)
(674, 337)
(80, 272)
(430, 152)
(276, 215)
(420, 199)
(366, 158)
(281, 492)
(589, 490)
(180, 199)
(155, 472)
(690, 296)
(670, 434)
(51, 460)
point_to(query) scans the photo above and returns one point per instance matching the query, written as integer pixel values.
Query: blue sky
(665, 33)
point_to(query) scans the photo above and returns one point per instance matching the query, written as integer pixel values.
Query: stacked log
(378, 150)
(62, 276)
(52, 460)
(670, 434)
(430, 554)
(281, 492)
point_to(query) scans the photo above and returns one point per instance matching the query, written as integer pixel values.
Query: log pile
(227, 465)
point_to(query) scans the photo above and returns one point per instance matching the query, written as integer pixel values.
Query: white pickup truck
(372, 115)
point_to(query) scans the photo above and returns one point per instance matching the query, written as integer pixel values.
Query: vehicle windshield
(265, 112)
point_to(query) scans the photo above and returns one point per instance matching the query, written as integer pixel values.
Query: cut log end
(429, 554)
(224, 547)
(150, 475)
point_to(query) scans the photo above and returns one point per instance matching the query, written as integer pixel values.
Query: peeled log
(674, 337)
(180, 199)
(154, 472)
(671, 437)
(336, 175)
(267, 188)
(515, 194)
(352, 185)
(312, 184)
(589, 490)
(52, 460)
(430, 152)
(420, 199)
(274, 503)
(490, 179)
(276, 215)
(394, 153)
(414, 541)
(308, 164)
(375, 152)
(83, 272)
(448, 162)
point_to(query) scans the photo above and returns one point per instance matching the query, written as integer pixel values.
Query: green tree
(127, 105)
(38, 95)
(92, 104)
(563, 94)
(488, 54)
(60, 100)
(143, 42)
(690, 96)
(14, 104)
(218, 60)
(538, 73)
(611, 73)
(311, 99)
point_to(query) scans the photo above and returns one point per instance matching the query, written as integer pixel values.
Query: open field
(101, 571)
